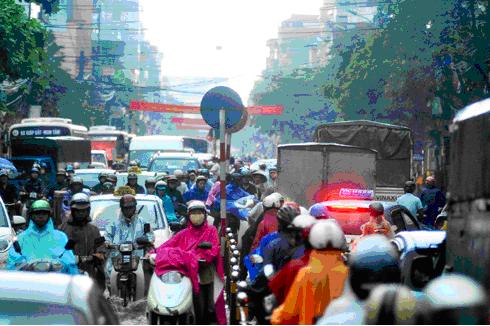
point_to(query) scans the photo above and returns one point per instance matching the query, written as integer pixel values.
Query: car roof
(53, 288)
(353, 202)
(92, 171)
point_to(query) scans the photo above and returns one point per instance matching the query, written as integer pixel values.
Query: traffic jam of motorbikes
(324, 233)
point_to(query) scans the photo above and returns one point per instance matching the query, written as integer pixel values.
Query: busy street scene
(245, 162)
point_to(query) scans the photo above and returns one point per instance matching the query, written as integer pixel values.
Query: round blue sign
(222, 97)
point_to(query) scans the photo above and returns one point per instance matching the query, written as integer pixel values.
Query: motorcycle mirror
(70, 244)
(147, 228)
(175, 227)
(17, 247)
(18, 220)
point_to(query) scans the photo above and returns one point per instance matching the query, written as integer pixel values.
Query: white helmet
(327, 234)
(304, 221)
(304, 211)
(273, 201)
(178, 173)
(196, 204)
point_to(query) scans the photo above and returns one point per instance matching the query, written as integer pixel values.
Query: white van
(142, 148)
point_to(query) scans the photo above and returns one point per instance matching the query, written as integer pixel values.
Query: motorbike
(127, 279)
(45, 265)
(170, 297)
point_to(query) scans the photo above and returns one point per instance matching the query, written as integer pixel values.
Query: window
(397, 220)
(409, 222)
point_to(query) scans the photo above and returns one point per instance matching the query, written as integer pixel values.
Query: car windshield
(99, 158)
(198, 145)
(38, 313)
(104, 212)
(171, 164)
(143, 156)
(89, 179)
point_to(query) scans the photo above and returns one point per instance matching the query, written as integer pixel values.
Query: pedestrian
(409, 200)
(432, 199)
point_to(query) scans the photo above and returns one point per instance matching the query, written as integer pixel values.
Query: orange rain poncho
(315, 286)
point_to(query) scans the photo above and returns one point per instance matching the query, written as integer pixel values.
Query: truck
(468, 199)
(55, 152)
(393, 144)
(310, 173)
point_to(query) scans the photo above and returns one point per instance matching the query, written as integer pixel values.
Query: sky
(217, 38)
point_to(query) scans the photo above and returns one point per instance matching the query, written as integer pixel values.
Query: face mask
(197, 219)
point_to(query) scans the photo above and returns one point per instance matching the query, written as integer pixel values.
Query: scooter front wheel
(124, 295)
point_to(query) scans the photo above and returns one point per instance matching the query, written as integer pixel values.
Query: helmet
(456, 299)
(160, 185)
(112, 178)
(4, 172)
(150, 181)
(376, 208)
(245, 172)
(69, 168)
(286, 215)
(133, 163)
(327, 234)
(191, 171)
(196, 205)
(373, 262)
(80, 201)
(132, 176)
(127, 201)
(272, 201)
(431, 180)
(178, 173)
(273, 168)
(204, 172)
(40, 206)
(108, 186)
(102, 175)
(262, 175)
(76, 180)
(303, 223)
(43, 165)
(34, 170)
(201, 178)
(391, 304)
(61, 172)
(172, 178)
(36, 166)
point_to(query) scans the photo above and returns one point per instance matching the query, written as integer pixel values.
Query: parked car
(105, 210)
(169, 162)
(47, 299)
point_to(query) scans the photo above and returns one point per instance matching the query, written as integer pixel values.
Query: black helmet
(373, 262)
(103, 175)
(132, 175)
(150, 181)
(201, 178)
(286, 215)
(76, 180)
(108, 187)
(127, 200)
(376, 208)
(61, 172)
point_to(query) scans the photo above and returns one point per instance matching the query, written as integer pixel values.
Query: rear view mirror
(17, 247)
(70, 245)
(18, 220)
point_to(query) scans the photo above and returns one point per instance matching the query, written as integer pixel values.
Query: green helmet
(40, 206)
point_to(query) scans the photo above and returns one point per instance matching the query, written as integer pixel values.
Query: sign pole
(223, 168)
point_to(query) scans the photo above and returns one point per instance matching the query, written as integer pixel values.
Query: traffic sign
(225, 98)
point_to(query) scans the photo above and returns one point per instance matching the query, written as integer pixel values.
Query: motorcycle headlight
(5, 244)
(125, 247)
(171, 278)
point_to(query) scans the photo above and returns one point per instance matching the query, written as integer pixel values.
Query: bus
(114, 142)
(46, 127)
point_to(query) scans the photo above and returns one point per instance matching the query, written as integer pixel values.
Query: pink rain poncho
(212, 193)
(181, 254)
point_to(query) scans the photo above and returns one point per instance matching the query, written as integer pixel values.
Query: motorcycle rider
(58, 185)
(432, 198)
(107, 188)
(247, 184)
(198, 191)
(34, 184)
(112, 178)
(8, 192)
(150, 186)
(201, 241)
(205, 173)
(133, 183)
(409, 200)
(76, 186)
(272, 183)
(182, 187)
(318, 283)
(98, 187)
(70, 171)
(373, 262)
(175, 195)
(129, 226)
(161, 191)
(377, 223)
(260, 181)
(456, 300)
(42, 241)
(43, 176)
(270, 222)
(281, 282)
(78, 228)
(192, 175)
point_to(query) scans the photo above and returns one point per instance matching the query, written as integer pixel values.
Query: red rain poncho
(267, 225)
(181, 253)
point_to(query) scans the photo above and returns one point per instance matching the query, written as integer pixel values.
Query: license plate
(126, 259)
(33, 195)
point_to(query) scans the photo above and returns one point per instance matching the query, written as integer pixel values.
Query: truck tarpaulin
(105, 145)
(392, 143)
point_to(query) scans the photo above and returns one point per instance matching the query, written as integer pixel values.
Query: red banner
(171, 108)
